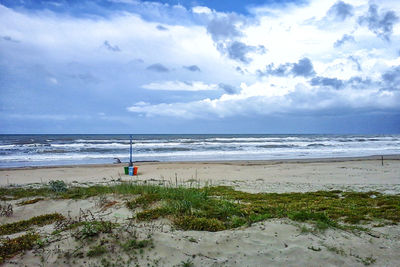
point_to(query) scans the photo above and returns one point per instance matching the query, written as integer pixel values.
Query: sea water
(46, 150)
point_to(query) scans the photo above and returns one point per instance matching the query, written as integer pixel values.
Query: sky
(260, 66)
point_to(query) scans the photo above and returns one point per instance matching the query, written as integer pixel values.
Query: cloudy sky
(130, 66)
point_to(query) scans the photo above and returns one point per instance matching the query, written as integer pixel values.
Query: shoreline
(250, 161)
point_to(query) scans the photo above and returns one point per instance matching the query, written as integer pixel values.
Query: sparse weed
(368, 260)
(314, 249)
(11, 228)
(137, 244)
(336, 250)
(30, 201)
(6, 210)
(58, 186)
(11, 247)
(96, 251)
(187, 263)
(94, 228)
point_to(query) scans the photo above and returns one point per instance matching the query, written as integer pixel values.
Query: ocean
(48, 150)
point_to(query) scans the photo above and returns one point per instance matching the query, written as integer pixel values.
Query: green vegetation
(199, 224)
(67, 226)
(11, 247)
(203, 209)
(187, 263)
(94, 228)
(18, 192)
(96, 251)
(11, 228)
(58, 186)
(30, 201)
(218, 208)
(368, 260)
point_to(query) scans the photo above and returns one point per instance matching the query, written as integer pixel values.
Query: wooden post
(382, 160)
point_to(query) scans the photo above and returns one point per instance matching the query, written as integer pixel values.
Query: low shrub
(58, 186)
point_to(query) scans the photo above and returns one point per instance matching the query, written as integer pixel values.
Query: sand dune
(273, 242)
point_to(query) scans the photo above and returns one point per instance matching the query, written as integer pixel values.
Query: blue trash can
(131, 171)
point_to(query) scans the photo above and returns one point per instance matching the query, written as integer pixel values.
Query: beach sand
(273, 242)
(361, 174)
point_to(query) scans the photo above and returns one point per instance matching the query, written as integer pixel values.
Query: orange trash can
(135, 169)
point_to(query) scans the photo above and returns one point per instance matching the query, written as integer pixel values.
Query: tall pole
(130, 152)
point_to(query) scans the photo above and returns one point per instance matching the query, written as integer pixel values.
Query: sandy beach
(363, 174)
(273, 242)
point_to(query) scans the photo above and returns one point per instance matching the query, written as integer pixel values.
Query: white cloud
(262, 99)
(289, 34)
(180, 86)
(63, 38)
(53, 80)
(201, 10)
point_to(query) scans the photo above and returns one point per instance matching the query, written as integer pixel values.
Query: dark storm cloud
(360, 83)
(239, 69)
(355, 82)
(193, 68)
(229, 89)
(225, 31)
(281, 70)
(345, 38)
(9, 39)
(223, 28)
(391, 78)
(303, 68)
(379, 23)
(341, 10)
(158, 67)
(238, 51)
(161, 28)
(324, 81)
(110, 47)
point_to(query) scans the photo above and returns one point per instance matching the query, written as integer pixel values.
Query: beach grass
(220, 207)
(224, 208)
(209, 208)
(25, 225)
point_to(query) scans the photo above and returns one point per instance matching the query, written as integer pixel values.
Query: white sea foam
(53, 149)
